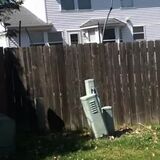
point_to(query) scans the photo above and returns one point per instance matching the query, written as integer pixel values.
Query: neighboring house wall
(144, 12)
(14, 42)
(36, 37)
(37, 7)
(3, 39)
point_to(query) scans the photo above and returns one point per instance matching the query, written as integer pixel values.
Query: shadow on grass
(39, 147)
(120, 132)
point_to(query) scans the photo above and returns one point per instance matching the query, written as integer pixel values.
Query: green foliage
(6, 9)
(9, 5)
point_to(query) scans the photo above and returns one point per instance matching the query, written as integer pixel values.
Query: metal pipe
(99, 30)
(19, 33)
(106, 20)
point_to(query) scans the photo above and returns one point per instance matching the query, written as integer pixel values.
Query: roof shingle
(27, 18)
(100, 22)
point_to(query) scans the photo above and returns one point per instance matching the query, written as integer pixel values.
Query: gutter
(39, 27)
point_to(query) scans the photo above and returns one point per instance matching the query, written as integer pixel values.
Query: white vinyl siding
(144, 12)
(152, 32)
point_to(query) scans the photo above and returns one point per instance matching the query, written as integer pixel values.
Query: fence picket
(131, 75)
(127, 77)
(152, 75)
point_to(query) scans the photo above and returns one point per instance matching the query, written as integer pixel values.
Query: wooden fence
(43, 79)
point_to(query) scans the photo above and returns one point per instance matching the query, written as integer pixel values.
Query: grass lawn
(143, 143)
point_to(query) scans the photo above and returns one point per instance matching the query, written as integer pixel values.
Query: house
(32, 30)
(82, 21)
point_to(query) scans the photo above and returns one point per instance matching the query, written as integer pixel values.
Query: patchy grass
(141, 144)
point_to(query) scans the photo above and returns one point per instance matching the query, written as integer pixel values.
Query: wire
(106, 20)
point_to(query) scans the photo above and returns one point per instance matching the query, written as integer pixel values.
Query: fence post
(3, 106)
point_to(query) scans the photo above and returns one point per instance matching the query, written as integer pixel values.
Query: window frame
(33, 43)
(111, 40)
(138, 32)
(55, 42)
(84, 8)
(76, 6)
(76, 37)
(70, 32)
(72, 9)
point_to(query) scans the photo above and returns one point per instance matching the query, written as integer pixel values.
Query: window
(67, 4)
(109, 35)
(36, 38)
(55, 37)
(138, 33)
(126, 3)
(74, 38)
(84, 4)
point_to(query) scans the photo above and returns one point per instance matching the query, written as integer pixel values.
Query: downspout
(46, 13)
(106, 20)
(20, 33)
(99, 33)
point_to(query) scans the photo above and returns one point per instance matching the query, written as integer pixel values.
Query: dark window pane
(109, 34)
(36, 37)
(138, 36)
(137, 29)
(67, 4)
(74, 38)
(84, 4)
(126, 3)
(55, 37)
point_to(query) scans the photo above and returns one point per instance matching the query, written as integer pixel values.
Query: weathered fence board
(152, 78)
(3, 108)
(157, 50)
(125, 83)
(48, 81)
(145, 89)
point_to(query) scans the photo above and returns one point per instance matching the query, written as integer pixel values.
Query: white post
(89, 86)
(117, 34)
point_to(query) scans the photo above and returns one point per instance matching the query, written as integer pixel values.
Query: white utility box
(94, 115)
(89, 86)
(108, 119)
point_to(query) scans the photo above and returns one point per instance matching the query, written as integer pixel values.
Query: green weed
(141, 144)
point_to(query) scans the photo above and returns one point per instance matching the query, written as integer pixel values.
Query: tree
(6, 9)
(8, 5)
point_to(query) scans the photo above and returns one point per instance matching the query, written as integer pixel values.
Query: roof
(27, 18)
(112, 22)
